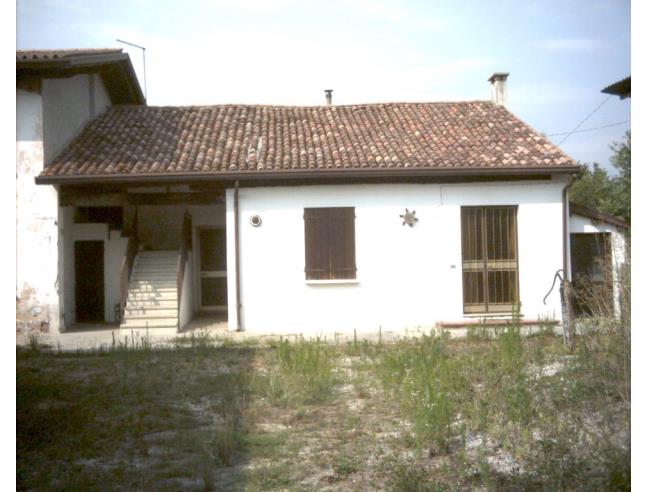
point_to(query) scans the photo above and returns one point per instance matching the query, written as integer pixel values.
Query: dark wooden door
(89, 280)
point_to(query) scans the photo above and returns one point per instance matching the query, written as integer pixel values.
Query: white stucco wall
(407, 277)
(36, 223)
(68, 104)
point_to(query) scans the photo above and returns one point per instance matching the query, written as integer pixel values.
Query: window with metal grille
(489, 259)
(330, 243)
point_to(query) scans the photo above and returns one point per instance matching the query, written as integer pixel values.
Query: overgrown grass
(559, 418)
(495, 411)
(299, 373)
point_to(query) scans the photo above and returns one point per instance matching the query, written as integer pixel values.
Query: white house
(312, 220)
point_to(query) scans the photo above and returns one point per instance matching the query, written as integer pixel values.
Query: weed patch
(498, 412)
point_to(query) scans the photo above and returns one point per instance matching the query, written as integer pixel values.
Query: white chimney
(329, 96)
(498, 82)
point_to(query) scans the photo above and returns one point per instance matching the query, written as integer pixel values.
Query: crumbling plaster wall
(36, 223)
(47, 119)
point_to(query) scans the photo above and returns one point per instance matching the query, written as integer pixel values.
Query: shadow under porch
(161, 254)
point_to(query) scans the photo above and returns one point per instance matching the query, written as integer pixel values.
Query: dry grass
(510, 413)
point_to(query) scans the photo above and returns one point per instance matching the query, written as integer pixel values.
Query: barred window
(330, 243)
(489, 259)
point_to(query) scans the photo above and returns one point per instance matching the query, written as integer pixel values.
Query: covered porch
(142, 257)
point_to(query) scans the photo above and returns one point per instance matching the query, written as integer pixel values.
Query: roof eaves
(102, 62)
(256, 176)
(576, 209)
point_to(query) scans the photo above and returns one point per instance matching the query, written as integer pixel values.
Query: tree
(621, 161)
(594, 188)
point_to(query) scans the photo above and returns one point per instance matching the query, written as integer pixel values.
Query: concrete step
(152, 284)
(152, 294)
(155, 267)
(149, 313)
(147, 323)
(165, 294)
(152, 277)
(152, 304)
(144, 300)
(153, 309)
(154, 271)
(162, 257)
(152, 262)
(171, 260)
(152, 316)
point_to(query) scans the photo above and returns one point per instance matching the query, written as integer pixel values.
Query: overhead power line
(589, 129)
(585, 119)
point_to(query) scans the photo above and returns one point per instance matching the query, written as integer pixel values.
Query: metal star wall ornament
(409, 218)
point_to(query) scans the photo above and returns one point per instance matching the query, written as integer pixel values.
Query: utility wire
(585, 119)
(589, 129)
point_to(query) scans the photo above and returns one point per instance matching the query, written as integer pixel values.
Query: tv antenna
(143, 59)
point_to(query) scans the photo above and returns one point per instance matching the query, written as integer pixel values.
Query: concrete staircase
(152, 291)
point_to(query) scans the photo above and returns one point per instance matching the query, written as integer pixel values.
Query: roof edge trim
(576, 209)
(301, 174)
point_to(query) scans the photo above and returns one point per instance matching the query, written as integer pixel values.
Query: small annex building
(598, 259)
(312, 220)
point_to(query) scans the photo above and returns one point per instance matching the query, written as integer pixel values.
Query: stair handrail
(127, 263)
(185, 246)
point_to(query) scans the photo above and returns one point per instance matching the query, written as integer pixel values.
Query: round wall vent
(255, 220)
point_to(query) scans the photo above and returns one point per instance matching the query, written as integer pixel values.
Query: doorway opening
(89, 281)
(212, 268)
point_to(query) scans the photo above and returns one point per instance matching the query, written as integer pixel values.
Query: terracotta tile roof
(131, 141)
(47, 55)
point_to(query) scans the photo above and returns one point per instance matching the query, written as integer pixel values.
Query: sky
(559, 54)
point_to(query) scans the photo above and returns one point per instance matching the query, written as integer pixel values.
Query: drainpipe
(236, 256)
(569, 331)
(566, 273)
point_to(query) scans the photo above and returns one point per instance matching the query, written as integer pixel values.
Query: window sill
(334, 281)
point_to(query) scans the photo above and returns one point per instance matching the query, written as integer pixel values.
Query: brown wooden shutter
(316, 238)
(342, 243)
(330, 243)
